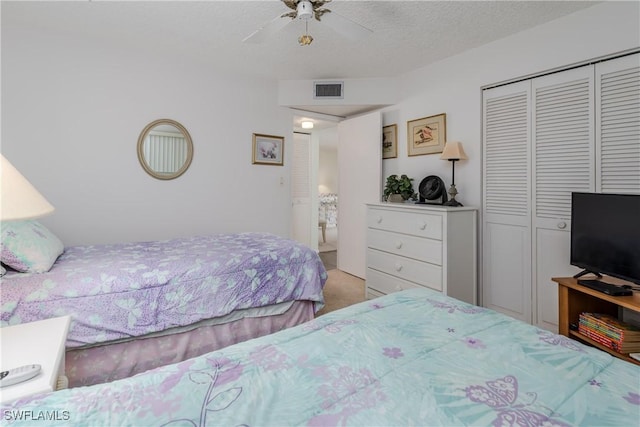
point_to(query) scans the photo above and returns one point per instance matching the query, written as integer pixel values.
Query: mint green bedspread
(413, 358)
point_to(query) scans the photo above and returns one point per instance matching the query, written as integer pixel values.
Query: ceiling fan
(306, 10)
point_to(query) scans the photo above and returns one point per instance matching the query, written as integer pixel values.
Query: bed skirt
(109, 362)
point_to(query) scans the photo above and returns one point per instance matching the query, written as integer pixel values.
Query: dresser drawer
(413, 223)
(429, 275)
(419, 248)
(379, 284)
(372, 293)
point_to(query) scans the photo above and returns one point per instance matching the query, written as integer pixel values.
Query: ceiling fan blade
(345, 26)
(267, 30)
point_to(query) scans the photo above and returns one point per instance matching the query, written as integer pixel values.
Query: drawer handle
(562, 225)
(398, 288)
(398, 245)
(398, 266)
(423, 225)
(379, 219)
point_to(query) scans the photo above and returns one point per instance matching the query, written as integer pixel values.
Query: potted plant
(398, 189)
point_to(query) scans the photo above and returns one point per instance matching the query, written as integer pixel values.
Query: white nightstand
(41, 342)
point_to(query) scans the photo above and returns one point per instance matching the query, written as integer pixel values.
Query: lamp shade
(453, 151)
(18, 198)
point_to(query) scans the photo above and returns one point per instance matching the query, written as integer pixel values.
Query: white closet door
(618, 125)
(506, 200)
(564, 161)
(301, 189)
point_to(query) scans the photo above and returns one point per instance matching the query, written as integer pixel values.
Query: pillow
(28, 246)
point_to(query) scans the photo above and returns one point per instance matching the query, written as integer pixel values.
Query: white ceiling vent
(328, 90)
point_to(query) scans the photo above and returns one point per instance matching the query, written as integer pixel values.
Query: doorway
(322, 161)
(328, 194)
(359, 163)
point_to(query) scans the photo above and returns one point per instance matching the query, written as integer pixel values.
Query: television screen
(605, 234)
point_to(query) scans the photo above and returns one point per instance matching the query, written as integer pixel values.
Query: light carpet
(326, 247)
(341, 290)
(332, 240)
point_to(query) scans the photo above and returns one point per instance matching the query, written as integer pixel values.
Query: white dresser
(410, 245)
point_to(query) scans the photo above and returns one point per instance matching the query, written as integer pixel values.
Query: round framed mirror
(165, 149)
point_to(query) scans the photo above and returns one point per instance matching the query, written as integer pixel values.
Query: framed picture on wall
(390, 142)
(268, 150)
(426, 135)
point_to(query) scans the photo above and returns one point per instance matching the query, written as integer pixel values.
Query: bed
(328, 208)
(414, 357)
(136, 306)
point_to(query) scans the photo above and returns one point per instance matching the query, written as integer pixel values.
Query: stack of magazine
(610, 332)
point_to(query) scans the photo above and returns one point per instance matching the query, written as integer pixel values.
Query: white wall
(72, 111)
(366, 91)
(328, 159)
(328, 169)
(453, 86)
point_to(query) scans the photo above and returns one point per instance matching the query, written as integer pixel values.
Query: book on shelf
(612, 324)
(597, 327)
(609, 343)
(616, 345)
(600, 339)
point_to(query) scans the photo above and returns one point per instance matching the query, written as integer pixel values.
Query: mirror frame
(143, 161)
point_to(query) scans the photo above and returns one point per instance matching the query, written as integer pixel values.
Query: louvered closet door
(301, 189)
(506, 200)
(618, 125)
(563, 162)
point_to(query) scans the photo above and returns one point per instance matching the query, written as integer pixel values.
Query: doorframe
(324, 121)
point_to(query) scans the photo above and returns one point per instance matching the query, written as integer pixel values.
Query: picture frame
(426, 135)
(390, 141)
(267, 150)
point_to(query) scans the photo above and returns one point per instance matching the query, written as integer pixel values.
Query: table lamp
(453, 152)
(18, 198)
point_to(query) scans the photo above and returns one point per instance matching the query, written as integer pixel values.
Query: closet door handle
(398, 245)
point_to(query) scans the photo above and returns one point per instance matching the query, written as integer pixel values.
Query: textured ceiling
(406, 34)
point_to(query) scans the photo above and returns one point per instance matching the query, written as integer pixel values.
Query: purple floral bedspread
(412, 358)
(131, 289)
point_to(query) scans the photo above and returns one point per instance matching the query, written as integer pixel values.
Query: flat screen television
(605, 234)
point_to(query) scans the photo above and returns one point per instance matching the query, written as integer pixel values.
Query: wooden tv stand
(574, 299)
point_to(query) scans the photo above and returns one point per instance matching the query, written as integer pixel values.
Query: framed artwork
(390, 142)
(426, 135)
(268, 150)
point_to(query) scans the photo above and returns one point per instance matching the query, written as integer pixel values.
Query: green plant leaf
(401, 185)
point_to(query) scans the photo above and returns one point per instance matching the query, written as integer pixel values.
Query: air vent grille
(324, 90)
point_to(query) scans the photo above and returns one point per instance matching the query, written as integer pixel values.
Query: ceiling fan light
(305, 40)
(304, 10)
(307, 125)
